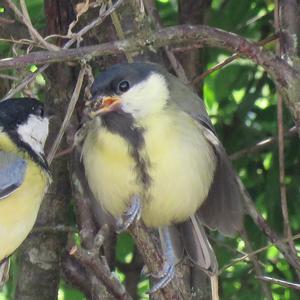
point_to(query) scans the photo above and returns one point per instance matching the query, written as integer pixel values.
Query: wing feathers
(223, 208)
(12, 172)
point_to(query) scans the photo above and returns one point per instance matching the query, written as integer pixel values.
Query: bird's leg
(173, 252)
(132, 214)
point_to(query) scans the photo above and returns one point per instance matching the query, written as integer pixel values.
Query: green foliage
(67, 293)
(241, 100)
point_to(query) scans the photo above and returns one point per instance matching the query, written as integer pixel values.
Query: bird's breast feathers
(175, 155)
(18, 211)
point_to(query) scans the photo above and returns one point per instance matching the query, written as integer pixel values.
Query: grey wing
(223, 208)
(189, 102)
(12, 173)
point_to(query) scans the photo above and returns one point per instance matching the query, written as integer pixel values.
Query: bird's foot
(133, 213)
(162, 278)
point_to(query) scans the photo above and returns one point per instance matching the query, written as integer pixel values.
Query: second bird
(24, 173)
(151, 145)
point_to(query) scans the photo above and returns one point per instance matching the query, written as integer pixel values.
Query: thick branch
(284, 75)
(176, 289)
(289, 22)
(208, 36)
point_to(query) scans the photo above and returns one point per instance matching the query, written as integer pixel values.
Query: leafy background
(241, 100)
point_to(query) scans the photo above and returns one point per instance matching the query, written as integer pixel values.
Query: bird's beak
(102, 105)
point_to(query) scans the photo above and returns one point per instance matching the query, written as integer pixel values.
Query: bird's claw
(133, 213)
(163, 278)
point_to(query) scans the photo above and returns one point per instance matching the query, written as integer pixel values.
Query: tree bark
(40, 255)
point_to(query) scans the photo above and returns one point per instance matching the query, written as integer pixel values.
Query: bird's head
(25, 120)
(138, 89)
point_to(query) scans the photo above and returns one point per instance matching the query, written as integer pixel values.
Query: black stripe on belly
(123, 124)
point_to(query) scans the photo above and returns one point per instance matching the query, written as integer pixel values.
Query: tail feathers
(4, 271)
(197, 245)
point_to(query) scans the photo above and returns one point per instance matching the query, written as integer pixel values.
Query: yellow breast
(109, 170)
(19, 210)
(181, 167)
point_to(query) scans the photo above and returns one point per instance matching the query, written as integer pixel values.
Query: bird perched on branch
(24, 173)
(152, 150)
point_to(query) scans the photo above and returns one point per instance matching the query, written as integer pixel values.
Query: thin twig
(231, 59)
(102, 272)
(75, 274)
(119, 30)
(237, 260)
(9, 77)
(292, 285)
(86, 222)
(26, 21)
(4, 21)
(25, 81)
(81, 9)
(261, 145)
(257, 268)
(96, 22)
(216, 67)
(281, 155)
(176, 65)
(30, 77)
(22, 42)
(69, 112)
(267, 230)
(214, 282)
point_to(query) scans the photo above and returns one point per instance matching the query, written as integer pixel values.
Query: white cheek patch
(147, 97)
(34, 133)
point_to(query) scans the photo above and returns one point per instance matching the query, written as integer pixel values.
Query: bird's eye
(124, 86)
(39, 110)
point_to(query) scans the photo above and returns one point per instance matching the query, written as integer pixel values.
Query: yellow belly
(19, 210)
(181, 168)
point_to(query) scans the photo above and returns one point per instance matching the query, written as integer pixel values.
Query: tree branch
(102, 272)
(24, 18)
(261, 145)
(176, 65)
(68, 115)
(176, 289)
(286, 78)
(267, 230)
(284, 283)
(257, 268)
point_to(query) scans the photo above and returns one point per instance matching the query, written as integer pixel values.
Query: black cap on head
(15, 111)
(112, 81)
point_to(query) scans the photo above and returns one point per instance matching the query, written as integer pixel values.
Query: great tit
(150, 137)
(24, 172)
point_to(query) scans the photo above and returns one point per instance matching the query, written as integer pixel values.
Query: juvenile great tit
(24, 172)
(151, 139)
